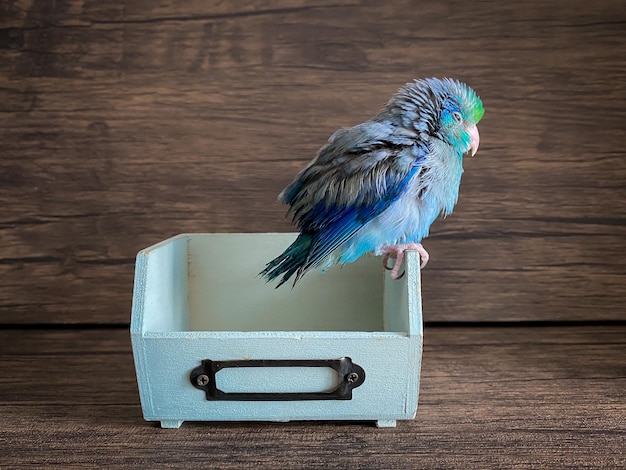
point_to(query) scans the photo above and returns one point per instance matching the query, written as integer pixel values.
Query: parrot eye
(457, 116)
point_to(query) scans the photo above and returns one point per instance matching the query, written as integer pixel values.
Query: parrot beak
(475, 139)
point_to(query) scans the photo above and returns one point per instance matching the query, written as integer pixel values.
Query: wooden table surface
(499, 397)
(123, 123)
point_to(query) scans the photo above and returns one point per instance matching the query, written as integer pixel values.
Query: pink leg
(397, 252)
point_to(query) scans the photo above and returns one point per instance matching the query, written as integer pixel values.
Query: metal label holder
(350, 375)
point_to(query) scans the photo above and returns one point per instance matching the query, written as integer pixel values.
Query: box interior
(210, 282)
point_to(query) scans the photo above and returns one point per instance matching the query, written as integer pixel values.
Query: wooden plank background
(123, 123)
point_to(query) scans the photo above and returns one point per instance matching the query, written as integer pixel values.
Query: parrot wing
(358, 174)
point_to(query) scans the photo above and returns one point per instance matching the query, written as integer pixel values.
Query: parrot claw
(385, 259)
(397, 252)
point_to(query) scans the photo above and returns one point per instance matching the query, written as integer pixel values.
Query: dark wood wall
(123, 123)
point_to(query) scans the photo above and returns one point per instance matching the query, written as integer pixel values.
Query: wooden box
(213, 342)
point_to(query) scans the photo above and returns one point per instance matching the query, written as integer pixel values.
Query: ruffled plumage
(382, 182)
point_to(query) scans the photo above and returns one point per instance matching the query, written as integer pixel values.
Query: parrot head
(443, 108)
(461, 111)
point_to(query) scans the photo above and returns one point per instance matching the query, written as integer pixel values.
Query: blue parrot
(378, 186)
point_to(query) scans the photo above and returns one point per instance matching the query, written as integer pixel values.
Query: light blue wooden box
(342, 345)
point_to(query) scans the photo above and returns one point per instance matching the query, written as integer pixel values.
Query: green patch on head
(474, 104)
(476, 109)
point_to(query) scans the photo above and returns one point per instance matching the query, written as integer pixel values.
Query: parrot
(377, 187)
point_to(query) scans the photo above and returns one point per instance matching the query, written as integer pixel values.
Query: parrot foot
(397, 252)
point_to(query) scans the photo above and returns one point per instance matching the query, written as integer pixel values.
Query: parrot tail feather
(290, 262)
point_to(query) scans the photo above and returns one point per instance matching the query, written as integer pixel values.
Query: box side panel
(389, 392)
(166, 301)
(136, 330)
(414, 294)
(159, 303)
(139, 294)
(402, 299)
(416, 345)
(142, 371)
(413, 304)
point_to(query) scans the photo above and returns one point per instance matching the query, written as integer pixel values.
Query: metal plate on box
(348, 377)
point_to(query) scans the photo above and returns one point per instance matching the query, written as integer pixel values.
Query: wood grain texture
(490, 398)
(123, 123)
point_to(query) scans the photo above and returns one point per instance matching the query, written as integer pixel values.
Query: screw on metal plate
(202, 380)
(351, 376)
